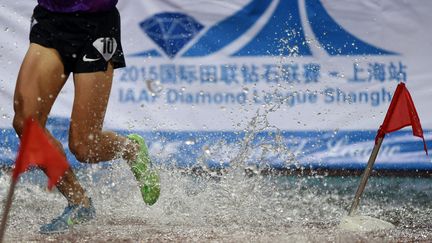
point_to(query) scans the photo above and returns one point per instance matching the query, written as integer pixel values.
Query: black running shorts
(86, 42)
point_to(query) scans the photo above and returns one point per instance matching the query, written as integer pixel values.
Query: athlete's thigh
(39, 82)
(92, 91)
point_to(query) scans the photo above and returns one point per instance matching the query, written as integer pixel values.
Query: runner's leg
(40, 79)
(87, 141)
(91, 145)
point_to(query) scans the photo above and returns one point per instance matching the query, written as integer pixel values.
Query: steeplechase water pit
(259, 114)
(231, 207)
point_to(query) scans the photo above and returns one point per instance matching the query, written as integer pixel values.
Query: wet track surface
(228, 207)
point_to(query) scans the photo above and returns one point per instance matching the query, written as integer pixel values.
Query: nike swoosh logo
(86, 59)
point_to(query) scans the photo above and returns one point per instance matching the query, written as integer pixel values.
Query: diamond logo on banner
(171, 31)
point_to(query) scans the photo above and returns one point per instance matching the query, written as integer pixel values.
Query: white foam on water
(364, 223)
(231, 206)
(228, 207)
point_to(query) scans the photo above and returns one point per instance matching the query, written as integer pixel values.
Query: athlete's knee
(19, 116)
(25, 108)
(82, 152)
(18, 124)
(22, 115)
(19, 119)
(84, 149)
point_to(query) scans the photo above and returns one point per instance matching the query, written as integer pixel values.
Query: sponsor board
(277, 83)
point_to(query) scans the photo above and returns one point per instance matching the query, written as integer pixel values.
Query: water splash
(223, 207)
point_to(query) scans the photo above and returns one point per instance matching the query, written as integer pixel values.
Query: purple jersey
(69, 6)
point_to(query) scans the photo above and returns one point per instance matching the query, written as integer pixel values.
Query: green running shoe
(147, 177)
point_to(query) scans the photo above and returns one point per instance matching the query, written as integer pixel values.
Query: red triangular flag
(37, 150)
(401, 113)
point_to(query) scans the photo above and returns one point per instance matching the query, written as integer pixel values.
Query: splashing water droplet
(207, 151)
(155, 86)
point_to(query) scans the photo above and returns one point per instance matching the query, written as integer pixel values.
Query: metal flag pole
(365, 176)
(7, 208)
